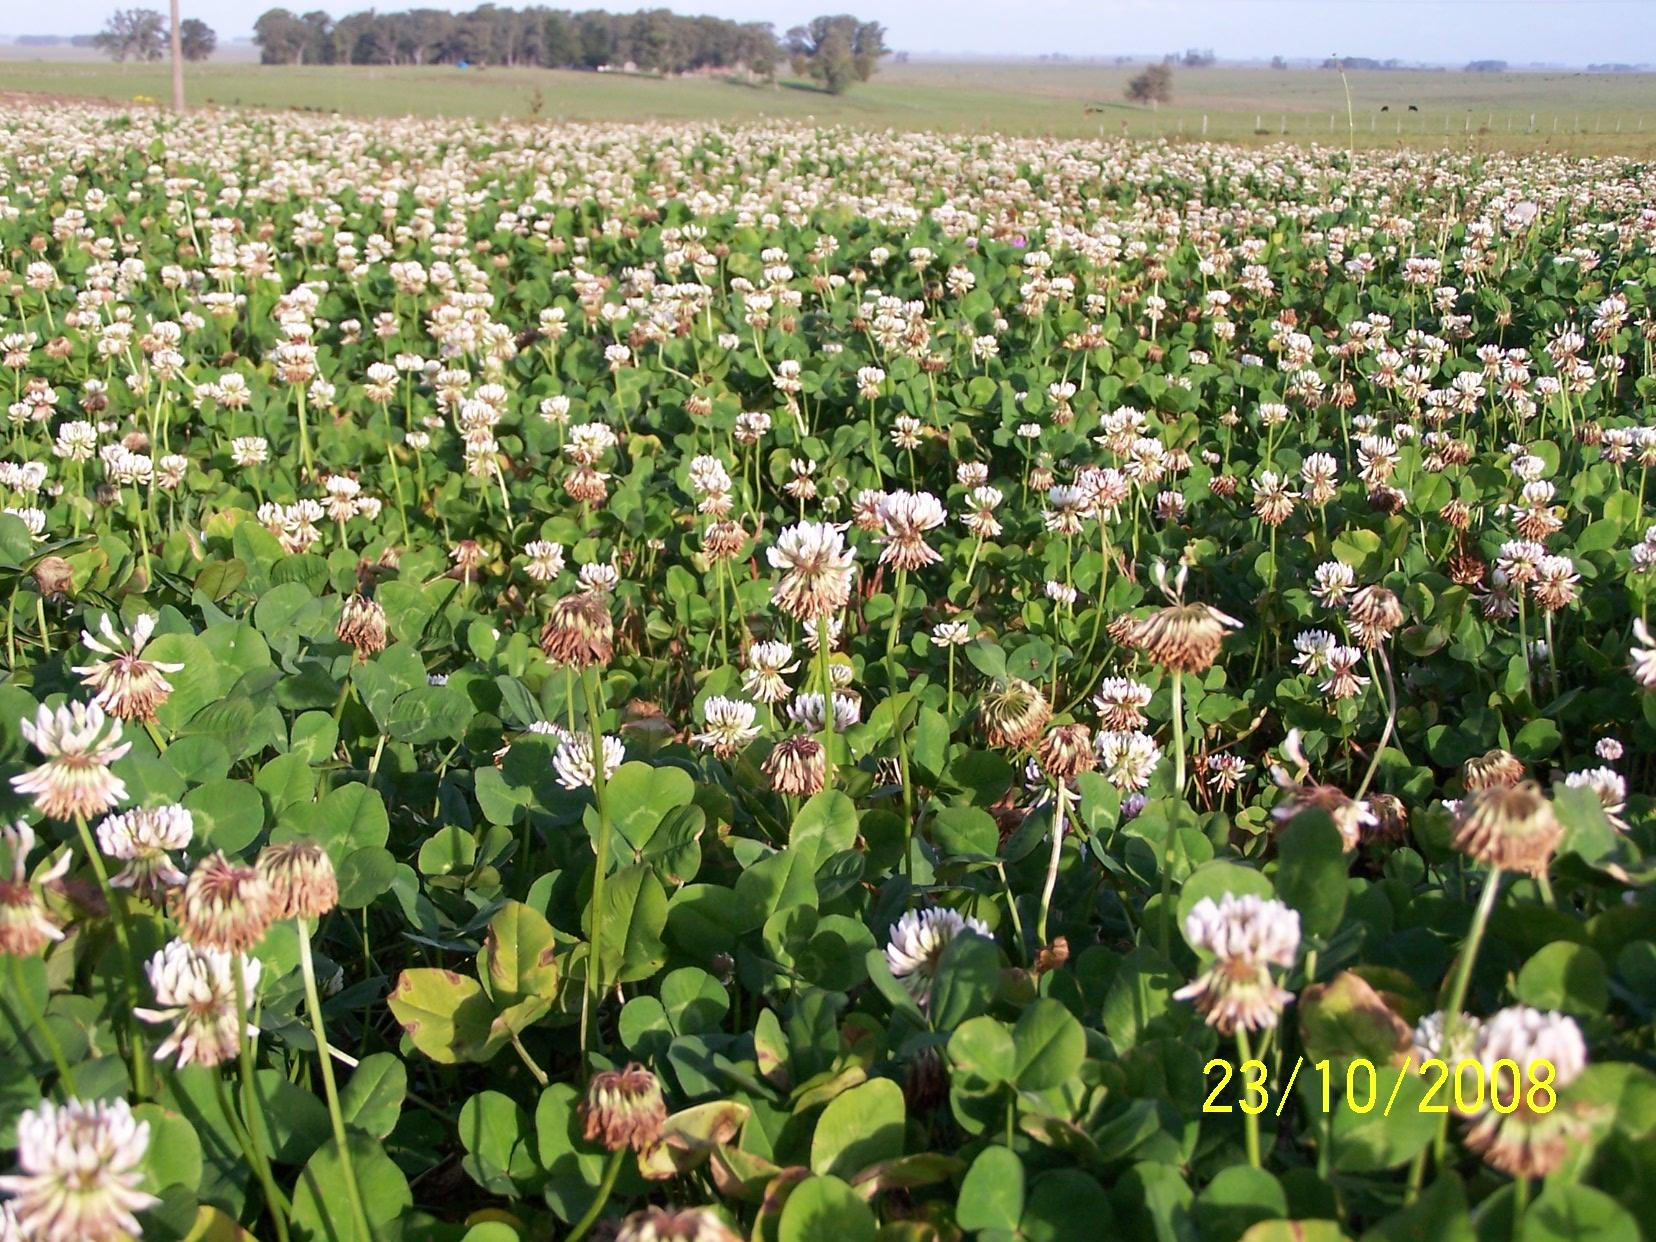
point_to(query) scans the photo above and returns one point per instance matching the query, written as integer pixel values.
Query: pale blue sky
(1573, 32)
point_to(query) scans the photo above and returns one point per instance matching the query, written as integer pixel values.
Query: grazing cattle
(1413, 108)
(1385, 107)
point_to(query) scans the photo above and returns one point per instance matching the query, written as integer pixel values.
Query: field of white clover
(701, 683)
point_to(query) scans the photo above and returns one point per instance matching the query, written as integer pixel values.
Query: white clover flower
(1519, 1047)
(766, 664)
(1061, 593)
(80, 1168)
(1430, 1041)
(79, 743)
(1333, 582)
(1312, 650)
(1127, 758)
(1120, 702)
(816, 570)
(573, 760)
(906, 517)
(598, 578)
(545, 559)
(951, 634)
(1642, 656)
(729, 726)
(195, 989)
(144, 840)
(126, 685)
(25, 926)
(917, 943)
(1608, 786)
(1526, 1036)
(806, 711)
(1245, 936)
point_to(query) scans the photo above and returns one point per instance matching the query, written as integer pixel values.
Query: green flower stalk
(303, 887)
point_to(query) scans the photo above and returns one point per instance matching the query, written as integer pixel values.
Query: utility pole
(177, 62)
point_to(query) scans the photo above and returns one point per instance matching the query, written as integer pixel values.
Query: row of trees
(141, 34)
(836, 51)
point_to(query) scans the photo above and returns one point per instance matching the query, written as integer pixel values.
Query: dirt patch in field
(22, 99)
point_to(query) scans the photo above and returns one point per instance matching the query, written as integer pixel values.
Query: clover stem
(971, 565)
(313, 1002)
(1250, 1121)
(304, 433)
(1165, 923)
(1391, 723)
(1463, 980)
(37, 1022)
(274, 1201)
(612, 1170)
(891, 633)
(1012, 909)
(1052, 862)
(123, 939)
(1523, 643)
(874, 445)
(823, 640)
(529, 1061)
(724, 642)
(1552, 655)
(589, 683)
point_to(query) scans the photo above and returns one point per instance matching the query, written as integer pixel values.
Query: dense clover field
(701, 684)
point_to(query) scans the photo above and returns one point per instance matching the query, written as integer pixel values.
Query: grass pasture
(1576, 112)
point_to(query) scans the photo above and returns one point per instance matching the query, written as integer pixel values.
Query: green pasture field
(1568, 111)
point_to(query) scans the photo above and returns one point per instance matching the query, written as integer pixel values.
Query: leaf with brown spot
(1346, 1018)
(517, 962)
(446, 1015)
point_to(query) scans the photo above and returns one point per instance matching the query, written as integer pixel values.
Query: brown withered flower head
(1013, 714)
(624, 1108)
(1373, 613)
(226, 905)
(54, 577)
(1391, 817)
(1466, 568)
(1510, 827)
(1493, 768)
(797, 766)
(1066, 752)
(1180, 637)
(362, 626)
(579, 631)
(723, 541)
(656, 1224)
(301, 879)
(1301, 794)
(586, 486)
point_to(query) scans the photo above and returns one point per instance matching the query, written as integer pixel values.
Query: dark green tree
(282, 37)
(198, 38)
(133, 34)
(837, 51)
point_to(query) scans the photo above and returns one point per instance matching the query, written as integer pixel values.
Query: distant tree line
(1361, 62)
(56, 40)
(141, 34)
(835, 51)
(1192, 58)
